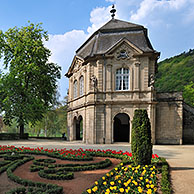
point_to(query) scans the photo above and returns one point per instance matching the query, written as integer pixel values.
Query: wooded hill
(177, 74)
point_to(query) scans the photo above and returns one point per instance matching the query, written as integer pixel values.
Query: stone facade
(107, 111)
(169, 119)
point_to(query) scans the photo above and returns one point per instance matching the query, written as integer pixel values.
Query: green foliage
(188, 93)
(141, 145)
(53, 123)
(165, 182)
(175, 73)
(29, 87)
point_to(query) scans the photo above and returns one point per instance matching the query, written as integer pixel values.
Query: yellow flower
(107, 191)
(115, 187)
(111, 188)
(119, 181)
(129, 181)
(121, 190)
(151, 169)
(146, 166)
(126, 169)
(95, 189)
(131, 177)
(104, 183)
(107, 174)
(126, 184)
(136, 171)
(147, 180)
(103, 178)
(126, 191)
(154, 167)
(89, 191)
(112, 183)
(148, 186)
(111, 173)
(96, 182)
(149, 191)
(140, 190)
(116, 169)
(150, 182)
(152, 186)
(129, 166)
(128, 188)
(153, 173)
(141, 178)
(155, 189)
(121, 164)
(151, 176)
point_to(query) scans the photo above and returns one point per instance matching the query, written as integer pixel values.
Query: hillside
(175, 73)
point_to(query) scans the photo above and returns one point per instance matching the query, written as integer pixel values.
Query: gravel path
(180, 158)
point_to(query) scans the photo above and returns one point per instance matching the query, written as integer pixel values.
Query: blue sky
(69, 23)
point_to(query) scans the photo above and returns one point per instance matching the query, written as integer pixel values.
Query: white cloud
(98, 17)
(148, 7)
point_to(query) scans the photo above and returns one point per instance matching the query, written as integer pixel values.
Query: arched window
(81, 85)
(122, 79)
(75, 89)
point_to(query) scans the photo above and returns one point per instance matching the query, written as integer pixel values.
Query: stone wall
(169, 118)
(188, 124)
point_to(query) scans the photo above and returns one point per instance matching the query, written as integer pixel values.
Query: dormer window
(122, 79)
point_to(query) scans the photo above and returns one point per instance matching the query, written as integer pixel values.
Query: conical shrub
(141, 145)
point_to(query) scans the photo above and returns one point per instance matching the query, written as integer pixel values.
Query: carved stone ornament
(77, 66)
(94, 81)
(123, 53)
(122, 110)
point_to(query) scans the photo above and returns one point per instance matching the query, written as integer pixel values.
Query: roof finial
(113, 10)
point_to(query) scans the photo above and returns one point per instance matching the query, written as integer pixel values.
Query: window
(122, 79)
(81, 85)
(75, 89)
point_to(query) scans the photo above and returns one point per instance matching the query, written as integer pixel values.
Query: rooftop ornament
(113, 11)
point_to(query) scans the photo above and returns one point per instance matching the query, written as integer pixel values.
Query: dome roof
(111, 33)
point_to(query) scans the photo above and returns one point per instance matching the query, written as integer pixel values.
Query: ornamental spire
(113, 11)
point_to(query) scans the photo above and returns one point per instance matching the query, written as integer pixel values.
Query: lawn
(39, 170)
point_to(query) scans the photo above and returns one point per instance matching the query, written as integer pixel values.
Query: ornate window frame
(122, 79)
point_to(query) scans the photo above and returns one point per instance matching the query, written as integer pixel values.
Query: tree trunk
(22, 131)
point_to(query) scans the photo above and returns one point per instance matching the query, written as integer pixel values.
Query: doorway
(121, 128)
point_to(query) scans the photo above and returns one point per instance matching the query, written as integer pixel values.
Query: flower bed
(124, 178)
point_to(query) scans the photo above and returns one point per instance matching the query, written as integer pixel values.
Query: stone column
(109, 77)
(108, 124)
(137, 76)
(152, 110)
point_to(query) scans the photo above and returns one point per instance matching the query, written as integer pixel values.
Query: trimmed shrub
(12, 136)
(141, 145)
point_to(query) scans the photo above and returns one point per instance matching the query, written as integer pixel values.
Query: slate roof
(111, 33)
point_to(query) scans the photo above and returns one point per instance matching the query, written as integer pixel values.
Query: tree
(188, 93)
(141, 145)
(29, 87)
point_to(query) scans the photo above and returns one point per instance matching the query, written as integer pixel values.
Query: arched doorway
(79, 128)
(121, 128)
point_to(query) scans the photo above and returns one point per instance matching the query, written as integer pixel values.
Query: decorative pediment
(123, 49)
(75, 66)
